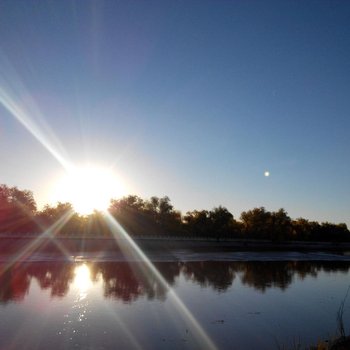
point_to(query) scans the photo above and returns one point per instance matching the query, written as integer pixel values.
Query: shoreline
(169, 250)
(10, 242)
(178, 257)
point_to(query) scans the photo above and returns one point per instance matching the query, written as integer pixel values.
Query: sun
(89, 188)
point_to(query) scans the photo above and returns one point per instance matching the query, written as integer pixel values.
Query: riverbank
(90, 244)
(172, 249)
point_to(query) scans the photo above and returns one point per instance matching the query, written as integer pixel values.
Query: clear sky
(190, 99)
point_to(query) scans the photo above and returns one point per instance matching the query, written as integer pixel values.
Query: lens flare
(131, 249)
(40, 241)
(17, 100)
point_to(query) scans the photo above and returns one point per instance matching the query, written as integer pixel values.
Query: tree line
(157, 216)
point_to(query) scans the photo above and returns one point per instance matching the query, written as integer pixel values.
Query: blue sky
(190, 99)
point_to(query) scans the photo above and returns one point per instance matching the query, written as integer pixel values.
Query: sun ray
(12, 91)
(49, 234)
(121, 325)
(127, 243)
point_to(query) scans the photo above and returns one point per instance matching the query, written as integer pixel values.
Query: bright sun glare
(82, 279)
(89, 188)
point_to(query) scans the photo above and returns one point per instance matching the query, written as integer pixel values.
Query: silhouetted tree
(70, 222)
(17, 209)
(131, 213)
(280, 226)
(256, 223)
(221, 222)
(95, 224)
(333, 232)
(217, 223)
(138, 217)
(169, 220)
(157, 216)
(261, 224)
(301, 229)
(198, 223)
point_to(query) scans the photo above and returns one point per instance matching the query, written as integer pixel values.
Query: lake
(108, 303)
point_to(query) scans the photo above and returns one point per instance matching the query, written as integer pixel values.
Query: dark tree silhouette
(198, 223)
(17, 209)
(157, 216)
(139, 217)
(72, 223)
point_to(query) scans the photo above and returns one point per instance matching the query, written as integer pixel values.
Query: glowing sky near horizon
(194, 100)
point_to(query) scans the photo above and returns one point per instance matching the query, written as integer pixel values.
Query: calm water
(110, 305)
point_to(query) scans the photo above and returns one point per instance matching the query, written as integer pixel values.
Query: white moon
(267, 173)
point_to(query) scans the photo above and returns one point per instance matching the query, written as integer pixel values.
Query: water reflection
(127, 282)
(82, 280)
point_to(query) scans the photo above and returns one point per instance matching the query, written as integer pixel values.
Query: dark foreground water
(190, 305)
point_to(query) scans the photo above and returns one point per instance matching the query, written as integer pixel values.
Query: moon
(266, 173)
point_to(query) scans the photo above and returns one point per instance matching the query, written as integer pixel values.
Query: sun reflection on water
(82, 280)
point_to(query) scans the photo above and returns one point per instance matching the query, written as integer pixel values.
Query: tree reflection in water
(216, 274)
(126, 281)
